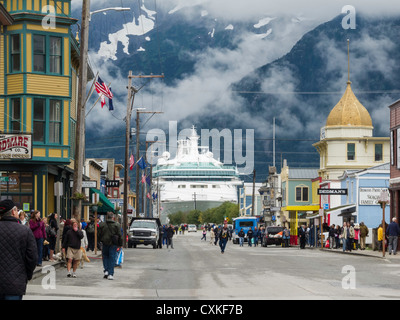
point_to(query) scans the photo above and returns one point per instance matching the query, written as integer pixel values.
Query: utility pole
(254, 192)
(131, 97)
(80, 118)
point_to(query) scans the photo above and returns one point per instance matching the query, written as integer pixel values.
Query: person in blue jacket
(393, 232)
(164, 236)
(286, 237)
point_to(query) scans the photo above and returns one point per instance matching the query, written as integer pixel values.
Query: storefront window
(17, 186)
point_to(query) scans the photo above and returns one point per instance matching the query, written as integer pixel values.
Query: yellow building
(39, 59)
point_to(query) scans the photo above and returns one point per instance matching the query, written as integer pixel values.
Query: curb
(354, 253)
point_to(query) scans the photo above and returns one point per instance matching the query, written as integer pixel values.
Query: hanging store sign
(370, 196)
(112, 183)
(341, 192)
(85, 184)
(15, 146)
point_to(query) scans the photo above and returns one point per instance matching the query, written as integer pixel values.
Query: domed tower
(346, 140)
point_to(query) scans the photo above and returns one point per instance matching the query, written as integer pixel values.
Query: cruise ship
(193, 179)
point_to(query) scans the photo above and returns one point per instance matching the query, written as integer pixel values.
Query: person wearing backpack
(286, 237)
(110, 235)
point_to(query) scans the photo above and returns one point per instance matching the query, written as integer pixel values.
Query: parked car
(273, 235)
(192, 228)
(145, 231)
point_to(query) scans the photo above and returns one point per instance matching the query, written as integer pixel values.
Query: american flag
(103, 90)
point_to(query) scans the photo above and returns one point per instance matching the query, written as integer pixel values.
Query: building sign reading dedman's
(370, 196)
(15, 146)
(323, 191)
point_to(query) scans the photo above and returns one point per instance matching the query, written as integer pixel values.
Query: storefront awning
(301, 208)
(107, 205)
(342, 210)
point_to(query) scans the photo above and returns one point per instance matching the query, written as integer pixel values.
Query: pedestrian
(356, 236)
(111, 238)
(216, 233)
(363, 235)
(350, 236)
(204, 234)
(332, 241)
(164, 235)
(52, 234)
(223, 237)
(90, 229)
(39, 231)
(380, 237)
(250, 236)
(337, 236)
(241, 235)
(255, 236)
(312, 236)
(170, 234)
(22, 217)
(286, 237)
(18, 256)
(72, 248)
(302, 236)
(212, 236)
(343, 236)
(393, 232)
(308, 235)
(84, 244)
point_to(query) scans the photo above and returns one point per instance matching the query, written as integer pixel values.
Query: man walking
(223, 238)
(170, 234)
(302, 236)
(18, 253)
(363, 235)
(249, 236)
(393, 231)
(111, 236)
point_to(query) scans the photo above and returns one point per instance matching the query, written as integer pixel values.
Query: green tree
(193, 217)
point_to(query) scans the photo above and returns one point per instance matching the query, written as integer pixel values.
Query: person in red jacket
(39, 231)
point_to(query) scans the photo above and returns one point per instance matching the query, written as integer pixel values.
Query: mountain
(240, 75)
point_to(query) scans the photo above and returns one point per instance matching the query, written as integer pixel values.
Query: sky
(207, 90)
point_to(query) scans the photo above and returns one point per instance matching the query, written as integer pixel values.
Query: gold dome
(349, 112)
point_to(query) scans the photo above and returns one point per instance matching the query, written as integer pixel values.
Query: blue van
(245, 223)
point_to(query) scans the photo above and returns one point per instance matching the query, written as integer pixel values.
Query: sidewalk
(60, 264)
(366, 253)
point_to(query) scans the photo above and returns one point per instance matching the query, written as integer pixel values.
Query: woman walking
(39, 231)
(53, 229)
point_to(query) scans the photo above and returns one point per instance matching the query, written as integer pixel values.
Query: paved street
(195, 269)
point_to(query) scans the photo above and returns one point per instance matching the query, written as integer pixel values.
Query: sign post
(383, 200)
(95, 200)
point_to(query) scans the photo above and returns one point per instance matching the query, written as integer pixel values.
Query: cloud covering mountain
(238, 64)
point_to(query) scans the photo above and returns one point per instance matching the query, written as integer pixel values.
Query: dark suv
(273, 235)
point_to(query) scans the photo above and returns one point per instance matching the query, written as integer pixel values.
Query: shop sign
(15, 146)
(341, 192)
(370, 196)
